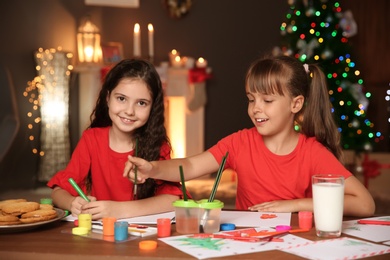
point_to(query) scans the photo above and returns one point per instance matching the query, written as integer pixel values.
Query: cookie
(10, 201)
(19, 208)
(9, 220)
(38, 215)
(46, 206)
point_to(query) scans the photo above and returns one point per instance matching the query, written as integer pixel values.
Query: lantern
(88, 43)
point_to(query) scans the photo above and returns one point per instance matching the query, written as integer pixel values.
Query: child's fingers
(130, 168)
(127, 169)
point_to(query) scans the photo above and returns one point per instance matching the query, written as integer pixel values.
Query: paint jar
(305, 219)
(163, 227)
(121, 231)
(108, 226)
(210, 215)
(85, 220)
(187, 216)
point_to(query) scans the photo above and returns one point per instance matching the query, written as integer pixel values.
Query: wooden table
(55, 242)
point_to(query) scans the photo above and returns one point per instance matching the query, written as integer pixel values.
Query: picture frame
(112, 52)
(114, 3)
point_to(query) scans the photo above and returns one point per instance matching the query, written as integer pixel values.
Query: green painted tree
(317, 31)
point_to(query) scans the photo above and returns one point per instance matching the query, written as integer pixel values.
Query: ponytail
(318, 118)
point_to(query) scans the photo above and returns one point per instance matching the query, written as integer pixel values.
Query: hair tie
(306, 66)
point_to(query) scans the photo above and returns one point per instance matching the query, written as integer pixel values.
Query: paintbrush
(213, 192)
(183, 186)
(135, 172)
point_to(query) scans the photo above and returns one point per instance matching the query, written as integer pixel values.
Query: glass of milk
(328, 203)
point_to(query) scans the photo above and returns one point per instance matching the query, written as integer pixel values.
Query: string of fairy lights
(34, 91)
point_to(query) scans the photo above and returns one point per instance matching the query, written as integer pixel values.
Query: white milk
(328, 203)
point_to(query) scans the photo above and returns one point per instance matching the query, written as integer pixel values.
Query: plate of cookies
(21, 215)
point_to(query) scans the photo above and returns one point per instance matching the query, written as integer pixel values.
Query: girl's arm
(358, 201)
(128, 209)
(193, 167)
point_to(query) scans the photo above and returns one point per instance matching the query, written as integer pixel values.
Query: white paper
(341, 248)
(375, 233)
(254, 219)
(215, 247)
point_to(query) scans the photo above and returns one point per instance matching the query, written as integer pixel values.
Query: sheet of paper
(204, 248)
(149, 219)
(375, 233)
(255, 219)
(340, 248)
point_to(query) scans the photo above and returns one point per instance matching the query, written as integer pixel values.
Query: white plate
(24, 227)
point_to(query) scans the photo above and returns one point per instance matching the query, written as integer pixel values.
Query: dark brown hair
(152, 135)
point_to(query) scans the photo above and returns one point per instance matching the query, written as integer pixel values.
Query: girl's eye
(268, 101)
(120, 98)
(142, 103)
(250, 98)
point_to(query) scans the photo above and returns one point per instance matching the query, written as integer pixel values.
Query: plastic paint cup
(108, 226)
(305, 219)
(121, 231)
(210, 217)
(85, 220)
(163, 227)
(186, 216)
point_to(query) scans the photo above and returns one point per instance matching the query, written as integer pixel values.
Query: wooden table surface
(54, 241)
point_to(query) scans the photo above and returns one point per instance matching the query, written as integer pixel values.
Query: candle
(177, 62)
(137, 40)
(172, 55)
(151, 40)
(201, 63)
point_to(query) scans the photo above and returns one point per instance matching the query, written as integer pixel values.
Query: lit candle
(137, 40)
(172, 56)
(201, 63)
(177, 62)
(151, 40)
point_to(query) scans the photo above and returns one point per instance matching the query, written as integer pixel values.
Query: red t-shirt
(93, 153)
(263, 176)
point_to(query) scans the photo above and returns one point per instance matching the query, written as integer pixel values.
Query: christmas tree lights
(318, 32)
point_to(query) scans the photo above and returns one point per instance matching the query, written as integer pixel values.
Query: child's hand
(77, 204)
(143, 167)
(100, 209)
(275, 206)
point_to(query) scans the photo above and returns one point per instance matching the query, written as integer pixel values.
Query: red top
(93, 152)
(264, 176)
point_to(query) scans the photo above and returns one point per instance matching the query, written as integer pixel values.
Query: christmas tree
(317, 31)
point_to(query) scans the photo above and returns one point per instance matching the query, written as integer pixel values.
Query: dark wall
(229, 34)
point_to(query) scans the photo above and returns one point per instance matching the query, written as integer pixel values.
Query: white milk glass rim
(328, 177)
